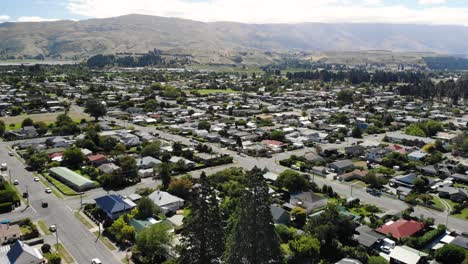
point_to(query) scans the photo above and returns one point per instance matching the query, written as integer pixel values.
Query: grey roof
(461, 241)
(460, 177)
(349, 261)
(343, 163)
(161, 198)
(367, 237)
(148, 161)
(21, 253)
(280, 215)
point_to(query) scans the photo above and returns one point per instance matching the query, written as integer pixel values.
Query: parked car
(96, 261)
(36, 179)
(385, 249)
(10, 153)
(52, 228)
(48, 190)
(3, 166)
(15, 182)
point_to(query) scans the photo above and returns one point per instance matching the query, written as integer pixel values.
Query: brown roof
(9, 230)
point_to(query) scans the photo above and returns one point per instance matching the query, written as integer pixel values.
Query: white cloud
(34, 19)
(274, 11)
(432, 2)
(4, 18)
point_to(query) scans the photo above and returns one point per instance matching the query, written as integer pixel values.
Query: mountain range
(220, 41)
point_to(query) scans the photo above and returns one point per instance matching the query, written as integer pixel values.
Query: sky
(434, 12)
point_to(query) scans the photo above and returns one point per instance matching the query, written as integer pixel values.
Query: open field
(46, 118)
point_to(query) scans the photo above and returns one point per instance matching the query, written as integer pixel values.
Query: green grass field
(46, 118)
(43, 227)
(105, 241)
(463, 215)
(60, 186)
(66, 257)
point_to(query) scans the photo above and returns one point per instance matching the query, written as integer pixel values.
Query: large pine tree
(252, 238)
(203, 240)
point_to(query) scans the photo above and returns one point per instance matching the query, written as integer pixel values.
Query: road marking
(69, 209)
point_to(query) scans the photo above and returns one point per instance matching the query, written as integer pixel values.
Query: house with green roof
(71, 178)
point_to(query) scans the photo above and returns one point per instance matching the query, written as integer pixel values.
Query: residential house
(114, 205)
(97, 159)
(457, 195)
(147, 162)
(341, 166)
(9, 233)
(306, 200)
(417, 155)
(376, 154)
(20, 253)
(367, 237)
(25, 132)
(407, 255)
(348, 261)
(353, 175)
(404, 180)
(401, 228)
(108, 168)
(166, 201)
(461, 241)
(280, 216)
(355, 151)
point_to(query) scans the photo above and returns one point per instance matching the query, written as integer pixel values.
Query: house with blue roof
(405, 180)
(114, 205)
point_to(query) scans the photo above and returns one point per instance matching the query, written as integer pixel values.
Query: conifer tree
(203, 239)
(252, 238)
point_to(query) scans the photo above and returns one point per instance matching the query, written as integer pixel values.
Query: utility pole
(27, 196)
(9, 172)
(351, 190)
(81, 200)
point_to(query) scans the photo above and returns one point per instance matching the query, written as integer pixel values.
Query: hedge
(6, 207)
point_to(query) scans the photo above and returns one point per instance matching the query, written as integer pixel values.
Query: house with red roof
(401, 228)
(274, 145)
(97, 159)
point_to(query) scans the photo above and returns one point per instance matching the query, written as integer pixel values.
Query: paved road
(81, 243)
(390, 205)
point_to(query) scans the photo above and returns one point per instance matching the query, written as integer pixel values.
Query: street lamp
(81, 200)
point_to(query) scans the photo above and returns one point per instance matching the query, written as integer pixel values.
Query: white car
(36, 179)
(15, 182)
(52, 228)
(48, 190)
(96, 261)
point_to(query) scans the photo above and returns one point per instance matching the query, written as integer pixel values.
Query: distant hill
(219, 42)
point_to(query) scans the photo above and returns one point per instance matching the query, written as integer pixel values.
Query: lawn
(66, 257)
(44, 227)
(437, 203)
(463, 215)
(215, 91)
(60, 186)
(83, 220)
(46, 118)
(105, 241)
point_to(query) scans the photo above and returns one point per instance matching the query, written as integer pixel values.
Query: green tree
(2, 128)
(153, 244)
(345, 97)
(180, 187)
(450, 254)
(203, 236)
(53, 258)
(305, 249)
(415, 130)
(204, 125)
(152, 149)
(41, 128)
(38, 161)
(16, 110)
(164, 170)
(45, 248)
(27, 122)
(129, 168)
(252, 237)
(73, 157)
(356, 132)
(95, 109)
(293, 181)
(277, 135)
(377, 260)
(299, 216)
(146, 208)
